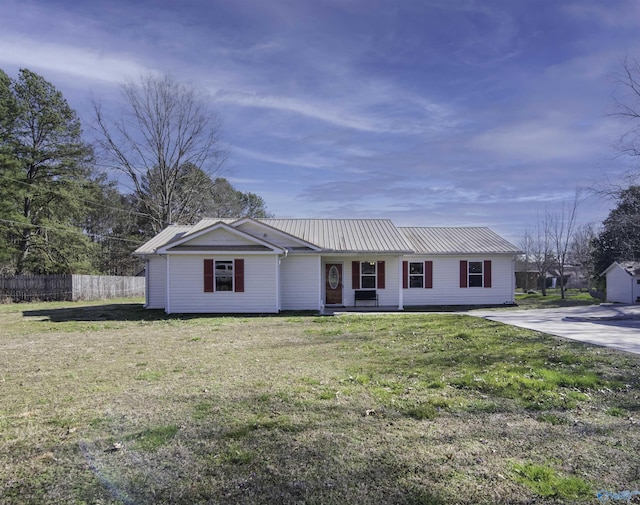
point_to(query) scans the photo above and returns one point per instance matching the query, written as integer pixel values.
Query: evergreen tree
(46, 172)
(113, 226)
(619, 239)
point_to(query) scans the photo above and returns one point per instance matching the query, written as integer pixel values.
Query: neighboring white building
(269, 265)
(623, 282)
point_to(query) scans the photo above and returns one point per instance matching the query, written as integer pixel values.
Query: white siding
(300, 282)
(620, 286)
(186, 277)
(156, 276)
(446, 283)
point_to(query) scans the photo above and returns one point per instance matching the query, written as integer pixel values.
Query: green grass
(573, 298)
(112, 404)
(546, 482)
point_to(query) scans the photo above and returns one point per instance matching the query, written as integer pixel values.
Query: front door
(333, 284)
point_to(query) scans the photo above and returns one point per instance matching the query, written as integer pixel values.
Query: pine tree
(46, 179)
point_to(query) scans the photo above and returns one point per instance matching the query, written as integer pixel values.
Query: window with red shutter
(464, 272)
(208, 276)
(238, 273)
(428, 274)
(405, 274)
(381, 275)
(487, 273)
(355, 275)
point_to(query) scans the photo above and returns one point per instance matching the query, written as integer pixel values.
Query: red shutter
(208, 276)
(381, 280)
(238, 274)
(405, 274)
(487, 273)
(355, 275)
(464, 271)
(428, 274)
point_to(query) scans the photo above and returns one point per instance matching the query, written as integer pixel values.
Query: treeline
(60, 213)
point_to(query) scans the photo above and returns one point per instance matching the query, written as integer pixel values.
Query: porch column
(320, 284)
(400, 292)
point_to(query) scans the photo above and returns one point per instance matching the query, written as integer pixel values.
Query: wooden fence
(27, 288)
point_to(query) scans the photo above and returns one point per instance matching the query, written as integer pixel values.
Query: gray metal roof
(345, 235)
(467, 240)
(360, 236)
(169, 234)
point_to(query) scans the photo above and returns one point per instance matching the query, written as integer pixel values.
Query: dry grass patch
(112, 404)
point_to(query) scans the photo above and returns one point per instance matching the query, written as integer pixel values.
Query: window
(416, 275)
(475, 274)
(368, 275)
(224, 275)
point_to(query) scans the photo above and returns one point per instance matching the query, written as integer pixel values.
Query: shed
(623, 282)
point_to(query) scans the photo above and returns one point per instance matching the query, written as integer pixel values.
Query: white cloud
(406, 115)
(619, 14)
(545, 140)
(320, 112)
(295, 161)
(65, 59)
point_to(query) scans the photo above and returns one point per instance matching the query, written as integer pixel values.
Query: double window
(223, 275)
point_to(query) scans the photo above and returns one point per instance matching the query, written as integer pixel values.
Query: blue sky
(432, 112)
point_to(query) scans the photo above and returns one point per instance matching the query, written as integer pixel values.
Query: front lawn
(553, 299)
(111, 404)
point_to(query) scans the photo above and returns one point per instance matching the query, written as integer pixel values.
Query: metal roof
(345, 235)
(169, 234)
(359, 236)
(456, 240)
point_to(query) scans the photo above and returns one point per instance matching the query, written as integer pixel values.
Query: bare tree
(562, 227)
(542, 256)
(581, 251)
(526, 246)
(162, 127)
(627, 98)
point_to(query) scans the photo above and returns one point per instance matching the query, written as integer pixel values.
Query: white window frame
(368, 275)
(414, 275)
(475, 274)
(220, 273)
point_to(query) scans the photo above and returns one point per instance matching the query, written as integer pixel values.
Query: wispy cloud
(322, 112)
(553, 139)
(309, 161)
(76, 61)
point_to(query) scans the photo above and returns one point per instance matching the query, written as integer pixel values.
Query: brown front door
(333, 283)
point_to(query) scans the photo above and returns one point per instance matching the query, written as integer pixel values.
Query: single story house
(269, 265)
(623, 282)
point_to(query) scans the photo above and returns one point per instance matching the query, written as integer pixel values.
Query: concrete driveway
(609, 325)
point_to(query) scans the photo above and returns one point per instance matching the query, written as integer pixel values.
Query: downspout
(167, 305)
(320, 284)
(278, 278)
(146, 282)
